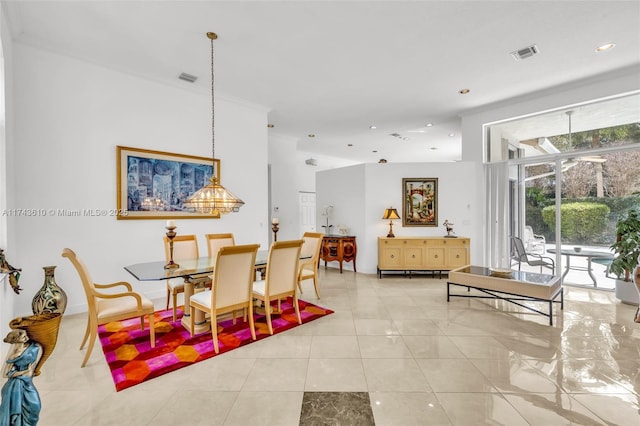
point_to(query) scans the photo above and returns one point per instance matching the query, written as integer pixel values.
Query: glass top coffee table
(512, 286)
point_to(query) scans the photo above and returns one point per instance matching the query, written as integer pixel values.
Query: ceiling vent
(311, 162)
(188, 77)
(525, 52)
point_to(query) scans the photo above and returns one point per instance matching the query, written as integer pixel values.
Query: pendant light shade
(213, 199)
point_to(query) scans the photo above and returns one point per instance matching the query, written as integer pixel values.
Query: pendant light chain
(213, 111)
(213, 199)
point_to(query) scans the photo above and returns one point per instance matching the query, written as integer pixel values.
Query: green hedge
(580, 222)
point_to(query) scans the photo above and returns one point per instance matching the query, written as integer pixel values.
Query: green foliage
(578, 221)
(627, 245)
(535, 196)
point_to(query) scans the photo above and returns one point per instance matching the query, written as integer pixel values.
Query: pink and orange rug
(132, 360)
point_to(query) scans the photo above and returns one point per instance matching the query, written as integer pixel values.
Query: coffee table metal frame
(510, 297)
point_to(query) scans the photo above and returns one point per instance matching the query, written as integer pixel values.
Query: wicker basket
(42, 328)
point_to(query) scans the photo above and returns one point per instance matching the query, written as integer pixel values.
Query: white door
(307, 203)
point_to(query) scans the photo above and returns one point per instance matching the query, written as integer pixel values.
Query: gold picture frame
(154, 184)
(420, 201)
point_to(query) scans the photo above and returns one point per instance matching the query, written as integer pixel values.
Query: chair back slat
(216, 241)
(83, 272)
(184, 247)
(233, 275)
(311, 245)
(282, 267)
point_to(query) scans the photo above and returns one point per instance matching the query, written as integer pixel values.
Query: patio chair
(520, 255)
(533, 243)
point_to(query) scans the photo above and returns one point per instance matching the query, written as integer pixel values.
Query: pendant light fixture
(213, 199)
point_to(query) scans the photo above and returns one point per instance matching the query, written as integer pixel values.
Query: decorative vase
(51, 297)
(41, 328)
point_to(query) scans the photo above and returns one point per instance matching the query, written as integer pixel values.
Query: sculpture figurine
(449, 227)
(20, 399)
(14, 273)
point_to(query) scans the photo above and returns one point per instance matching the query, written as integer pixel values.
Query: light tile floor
(422, 360)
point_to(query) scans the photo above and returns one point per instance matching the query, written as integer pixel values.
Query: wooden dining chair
(215, 241)
(106, 307)
(231, 288)
(184, 247)
(281, 278)
(308, 268)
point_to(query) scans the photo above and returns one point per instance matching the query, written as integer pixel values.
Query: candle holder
(274, 228)
(171, 235)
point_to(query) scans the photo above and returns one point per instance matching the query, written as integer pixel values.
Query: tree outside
(611, 179)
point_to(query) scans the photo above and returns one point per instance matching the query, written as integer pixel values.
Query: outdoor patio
(579, 276)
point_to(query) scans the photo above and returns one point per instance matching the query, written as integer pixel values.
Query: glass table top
(527, 277)
(154, 271)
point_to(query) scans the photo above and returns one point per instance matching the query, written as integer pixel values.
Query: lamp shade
(390, 214)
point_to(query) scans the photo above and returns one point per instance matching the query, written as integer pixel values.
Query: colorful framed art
(154, 184)
(420, 201)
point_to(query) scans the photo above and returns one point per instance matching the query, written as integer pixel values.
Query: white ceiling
(333, 68)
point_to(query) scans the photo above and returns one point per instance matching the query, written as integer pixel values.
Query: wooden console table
(340, 248)
(419, 254)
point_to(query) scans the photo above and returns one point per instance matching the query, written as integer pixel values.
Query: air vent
(187, 77)
(311, 162)
(525, 52)
(399, 136)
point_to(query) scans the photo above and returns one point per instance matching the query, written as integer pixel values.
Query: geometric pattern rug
(132, 360)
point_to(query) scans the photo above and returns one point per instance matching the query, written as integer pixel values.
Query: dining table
(588, 253)
(192, 271)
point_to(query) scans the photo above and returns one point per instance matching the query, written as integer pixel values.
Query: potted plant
(626, 250)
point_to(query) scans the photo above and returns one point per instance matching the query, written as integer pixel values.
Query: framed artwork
(154, 184)
(420, 201)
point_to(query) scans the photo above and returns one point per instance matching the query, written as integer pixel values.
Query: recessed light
(311, 135)
(463, 91)
(451, 135)
(373, 127)
(429, 124)
(605, 47)
(349, 144)
(374, 151)
(433, 148)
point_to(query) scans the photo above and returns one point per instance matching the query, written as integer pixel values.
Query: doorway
(307, 207)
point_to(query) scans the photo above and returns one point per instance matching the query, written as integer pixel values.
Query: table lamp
(390, 214)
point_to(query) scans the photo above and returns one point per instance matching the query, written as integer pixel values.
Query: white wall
(7, 296)
(69, 118)
(360, 194)
(290, 176)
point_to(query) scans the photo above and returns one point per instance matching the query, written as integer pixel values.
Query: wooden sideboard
(409, 254)
(339, 248)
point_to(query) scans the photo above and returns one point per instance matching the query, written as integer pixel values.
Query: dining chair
(308, 268)
(281, 277)
(215, 241)
(184, 247)
(231, 288)
(519, 254)
(106, 307)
